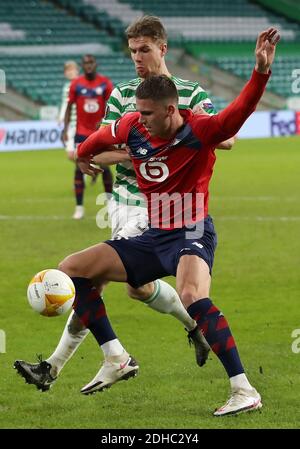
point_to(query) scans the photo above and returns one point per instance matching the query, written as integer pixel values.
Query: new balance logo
(142, 151)
(197, 244)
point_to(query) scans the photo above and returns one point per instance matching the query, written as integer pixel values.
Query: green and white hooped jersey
(64, 103)
(121, 101)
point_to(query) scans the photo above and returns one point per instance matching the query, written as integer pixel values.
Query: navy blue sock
(216, 330)
(90, 308)
(78, 186)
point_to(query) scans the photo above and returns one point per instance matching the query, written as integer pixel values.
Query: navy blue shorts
(156, 252)
(79, 138)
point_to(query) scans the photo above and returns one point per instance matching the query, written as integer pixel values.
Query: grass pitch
(255, 202)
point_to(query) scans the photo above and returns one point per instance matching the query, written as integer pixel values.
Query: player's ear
(163, 49)
(171, 109)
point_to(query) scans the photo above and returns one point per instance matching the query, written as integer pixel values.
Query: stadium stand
(37, 36)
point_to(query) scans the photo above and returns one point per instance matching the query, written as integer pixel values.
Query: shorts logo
(197, 244)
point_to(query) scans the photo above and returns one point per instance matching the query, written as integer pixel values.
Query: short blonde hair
(147, 26)
(69, 64)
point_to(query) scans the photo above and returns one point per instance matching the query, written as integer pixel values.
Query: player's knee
(188, 295)
(69, 266)
(141, 293)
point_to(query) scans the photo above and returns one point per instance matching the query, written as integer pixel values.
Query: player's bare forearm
(111, 157)
(226, 144)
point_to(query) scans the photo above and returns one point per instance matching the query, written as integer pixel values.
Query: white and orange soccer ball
(51, 292)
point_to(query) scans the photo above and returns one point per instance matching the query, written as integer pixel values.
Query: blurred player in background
(71, 71)
(89, 92)
(147, 40)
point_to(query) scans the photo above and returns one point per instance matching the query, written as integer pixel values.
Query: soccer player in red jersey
(89, 92)
(173, 154)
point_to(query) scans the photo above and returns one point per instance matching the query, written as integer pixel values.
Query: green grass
(255, 201)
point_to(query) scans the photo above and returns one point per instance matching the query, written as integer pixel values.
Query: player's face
(89, 65)
(71, 72)
(155, 116)
(147, 55)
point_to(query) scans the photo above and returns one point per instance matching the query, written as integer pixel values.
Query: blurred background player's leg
(79, 192)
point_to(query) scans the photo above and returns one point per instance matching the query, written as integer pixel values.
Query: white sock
(240, 381)
(166, 300)
(112, 348)
(66, 347)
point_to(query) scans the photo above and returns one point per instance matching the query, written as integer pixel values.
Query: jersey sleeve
(113, 134)
(217, 128)
(200, 98)
(72, 92)
(114, 108)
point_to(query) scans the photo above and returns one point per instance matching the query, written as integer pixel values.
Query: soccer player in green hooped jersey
(147, 41)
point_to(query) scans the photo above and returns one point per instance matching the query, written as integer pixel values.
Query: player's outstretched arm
(102, 140)
(265, 49)
(111, 157)
(229, 121)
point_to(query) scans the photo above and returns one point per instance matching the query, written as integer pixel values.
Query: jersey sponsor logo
(91, 106)
(154, 171)
(158, 158)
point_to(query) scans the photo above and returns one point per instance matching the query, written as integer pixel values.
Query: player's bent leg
(193, 280)
(163, 298)
(73, 335)
(99, 263)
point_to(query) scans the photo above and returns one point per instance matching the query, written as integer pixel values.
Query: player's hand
(265, 49)
(198, 110)
(64, 136)
(87, 166)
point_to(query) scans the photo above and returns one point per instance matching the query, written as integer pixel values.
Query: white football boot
(79, 213)
(241, 400)
(112, 370)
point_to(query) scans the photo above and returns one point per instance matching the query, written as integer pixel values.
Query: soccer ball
(51, 292)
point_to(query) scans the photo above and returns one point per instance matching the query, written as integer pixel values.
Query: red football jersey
(174, 174)
(90, 97)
